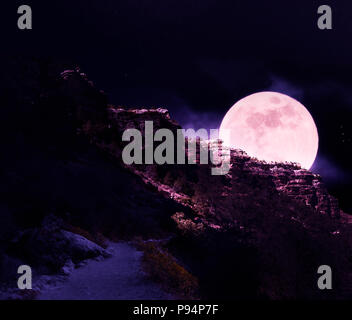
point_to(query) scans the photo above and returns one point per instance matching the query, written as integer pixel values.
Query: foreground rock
(50, 249)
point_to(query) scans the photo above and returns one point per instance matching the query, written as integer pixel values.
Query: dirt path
(116, 278)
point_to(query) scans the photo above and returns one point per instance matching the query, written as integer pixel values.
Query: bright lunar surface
(271, 126)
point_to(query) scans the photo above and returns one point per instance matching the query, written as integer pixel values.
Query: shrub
(163, 268)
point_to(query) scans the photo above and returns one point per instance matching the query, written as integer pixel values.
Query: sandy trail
(116, 278)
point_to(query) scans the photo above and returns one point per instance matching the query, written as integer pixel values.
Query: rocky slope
(286, 178)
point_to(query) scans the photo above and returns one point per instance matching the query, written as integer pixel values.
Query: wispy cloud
(189, 118)
(284, 86)
(329, 171)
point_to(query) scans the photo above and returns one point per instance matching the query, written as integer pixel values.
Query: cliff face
(307, 187)
(299, 184)
(183, 183)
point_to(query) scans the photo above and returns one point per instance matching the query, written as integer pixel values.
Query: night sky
(198, 57)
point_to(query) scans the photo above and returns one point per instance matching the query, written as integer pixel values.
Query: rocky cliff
(286, 178)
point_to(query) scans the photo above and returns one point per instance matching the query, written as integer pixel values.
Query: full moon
(271, 126)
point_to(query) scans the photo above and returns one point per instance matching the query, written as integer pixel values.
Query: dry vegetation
(163, 268)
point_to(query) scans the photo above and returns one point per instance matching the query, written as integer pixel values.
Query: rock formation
(288, 178)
